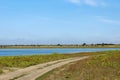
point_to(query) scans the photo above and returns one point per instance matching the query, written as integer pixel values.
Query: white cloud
(111, 21)
(74, 1)
(95, 2)
(89, 2)
(106, 20)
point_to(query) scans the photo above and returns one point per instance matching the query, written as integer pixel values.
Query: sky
(59, 21)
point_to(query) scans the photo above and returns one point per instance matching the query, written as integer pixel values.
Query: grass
(1, 71)
(102, 67)
(26, 61)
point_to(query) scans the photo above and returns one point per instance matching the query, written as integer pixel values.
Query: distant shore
(58, 46)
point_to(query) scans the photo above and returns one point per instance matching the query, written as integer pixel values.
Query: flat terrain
(13, 67)
(33, 72)
(102, 67)
(56, 67)
(8, 63)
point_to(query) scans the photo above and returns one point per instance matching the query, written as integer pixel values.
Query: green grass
(102, 67)
(1, 71)
(26, 61)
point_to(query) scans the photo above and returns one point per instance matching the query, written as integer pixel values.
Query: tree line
(84, 44)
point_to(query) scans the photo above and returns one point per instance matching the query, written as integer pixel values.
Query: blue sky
(59, 21)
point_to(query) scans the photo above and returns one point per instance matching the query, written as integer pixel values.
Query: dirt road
(33, 72)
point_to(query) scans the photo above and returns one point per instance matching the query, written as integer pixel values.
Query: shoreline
(55, 46)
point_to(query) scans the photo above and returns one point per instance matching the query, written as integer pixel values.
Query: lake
(16, 52)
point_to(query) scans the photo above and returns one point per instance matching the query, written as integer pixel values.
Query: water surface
(15, 52)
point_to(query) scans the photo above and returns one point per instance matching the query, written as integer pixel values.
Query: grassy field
(103, 67)
(25, 61)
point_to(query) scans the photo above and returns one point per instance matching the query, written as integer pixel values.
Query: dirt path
(33, 72)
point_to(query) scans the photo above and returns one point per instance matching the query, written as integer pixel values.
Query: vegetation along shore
(84, 45)
(105, 63)
(10, 62)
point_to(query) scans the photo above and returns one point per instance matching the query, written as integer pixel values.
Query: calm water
(14, 52)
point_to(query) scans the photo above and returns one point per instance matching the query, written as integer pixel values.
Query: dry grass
(26, 61)
(104, 67)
